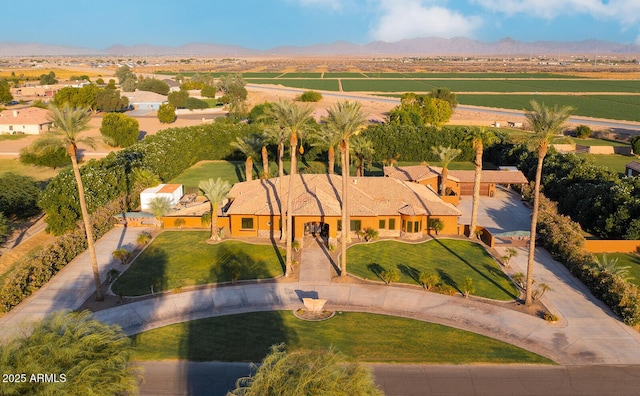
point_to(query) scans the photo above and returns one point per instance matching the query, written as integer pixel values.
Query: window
(339, 225)
(392, 224)
(381, 224)
(416, 226)
(247, 223)
(409, 226)
(355, 225)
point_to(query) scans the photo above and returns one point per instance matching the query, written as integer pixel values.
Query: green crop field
(616, 107)
(470, 75)
(344, 75)
(320, 84)
(302, 75)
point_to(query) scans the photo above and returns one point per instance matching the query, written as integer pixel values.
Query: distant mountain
(431, 46)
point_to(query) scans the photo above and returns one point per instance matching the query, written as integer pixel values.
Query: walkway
(588, 333)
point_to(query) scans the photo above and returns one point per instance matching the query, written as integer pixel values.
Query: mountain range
(431, 46)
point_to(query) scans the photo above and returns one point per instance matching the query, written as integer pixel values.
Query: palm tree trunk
(542, 152)
(476, 191)
(443, 183)
(248, 168)
(283, 226)
(214, 223)
(344, 236)
(87, 225)
(265, 162)
(332, 159)
(294, 145)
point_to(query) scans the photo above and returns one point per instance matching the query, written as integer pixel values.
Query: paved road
(215, 379)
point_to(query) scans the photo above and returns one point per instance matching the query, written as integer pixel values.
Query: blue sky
(263, 24)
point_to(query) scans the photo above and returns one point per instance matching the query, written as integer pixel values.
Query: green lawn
(454, 260)
(183, 258)
(364, 337)
(616, 162)
(598, 142)
(627, 260)
(40, 173)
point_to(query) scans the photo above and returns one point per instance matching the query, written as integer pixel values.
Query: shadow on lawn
(482, 274)
(146, 274)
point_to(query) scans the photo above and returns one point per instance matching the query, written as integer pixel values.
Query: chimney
(15, 113)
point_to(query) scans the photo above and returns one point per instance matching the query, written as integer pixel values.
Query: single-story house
(393, 207)
(144, 100)
(171, 191)
(632, 169)
(460, 182)
(29, 120)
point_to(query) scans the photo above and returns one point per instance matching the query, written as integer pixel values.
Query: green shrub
(208, 91)
(18, 195)
(583, 131)
(635, 144)
(119, 130)
(195, 103)
(166, 113)
(311, 96)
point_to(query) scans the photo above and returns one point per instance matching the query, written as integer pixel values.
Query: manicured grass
(40, 173)
(616, 162)
(364, 337)
(453, 260)
(183, 258)
(627, 259)
(598, 142)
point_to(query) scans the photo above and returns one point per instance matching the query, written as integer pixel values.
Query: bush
(153, 85)
(208, 91)
(119, 130)
(583, 131)
(18, 196)
(5, 228)
(311, 96)
(635, 144)
(166, 113)
(57, 158)
(195, 103)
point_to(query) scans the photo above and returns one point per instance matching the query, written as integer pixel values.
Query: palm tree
(249, 146)
(215, 191)
(362, 149)
(346, 119)
(68, 124)
(446, 155)
(327, 139)
(265, 155)
(479, 138)
(291, 121)
(545, 123)
(159, 206)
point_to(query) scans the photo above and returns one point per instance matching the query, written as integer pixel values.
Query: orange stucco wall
(611, 246)
(191, 222)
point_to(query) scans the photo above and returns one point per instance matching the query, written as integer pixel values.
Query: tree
(77, 97)
(233, 87)
(479, 138)
(345, 119)
(390, 275)
(129, 84)
(249, 146)
(48, 79)
(215, 191)
(5, 227)
(123, 73)
(109, 99)
(153, 85)
(122, 255)
(119, 130)
(208, 91)
(545, 123)
(5, 92)
(178, 99)
(436, 224)
(307, 372)
(327, 139)
(286, 120)
(159, 206)
(18, 196)
(195, 103)
(87, 357)
(166, 113)
(446, 95)
(635, 144)
(428, 279)
(583, 131)
(446, 156)
(509, 254)
(420, 110)
(68, 124)
(468, 287)
(362, 149)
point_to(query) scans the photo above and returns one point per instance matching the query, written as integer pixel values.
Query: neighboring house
(144, 100)
(460, 182)
(392, 207)
(174, 86)
(29, 120)
(632, 168)
(171, 191)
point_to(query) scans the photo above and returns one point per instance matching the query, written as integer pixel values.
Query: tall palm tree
(292, 120)
(68, 124)
(362, 149)
(249, 146)
(546, 122)
(265, 155)
(479, 138)
(346, 119)
(446, 155)
(215, 191)
(327, 139)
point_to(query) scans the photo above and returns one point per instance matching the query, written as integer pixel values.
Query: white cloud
(626, 11)
(404, 19)
(332, 4)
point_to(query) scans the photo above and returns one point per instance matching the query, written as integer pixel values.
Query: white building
(171, 191)
(29, 120)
